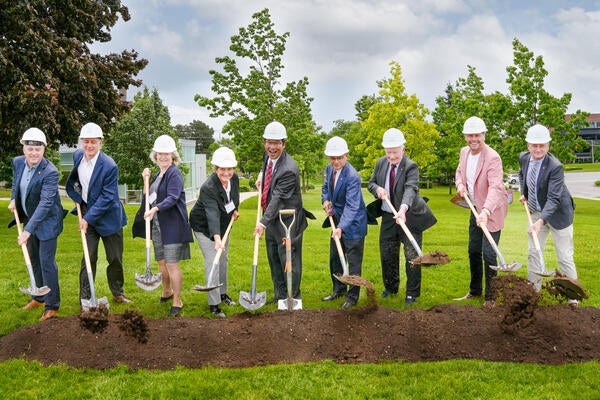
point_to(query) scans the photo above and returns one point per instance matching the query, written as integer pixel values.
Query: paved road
(581, 184)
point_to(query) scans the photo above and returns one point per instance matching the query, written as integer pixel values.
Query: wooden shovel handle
(339, 248)
(147, 208)
(20, 231)
(536, 240)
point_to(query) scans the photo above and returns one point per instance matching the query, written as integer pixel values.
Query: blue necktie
(531, 185)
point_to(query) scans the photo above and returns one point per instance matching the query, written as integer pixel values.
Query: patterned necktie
(531, 185)
(392, 180)
(265, 191)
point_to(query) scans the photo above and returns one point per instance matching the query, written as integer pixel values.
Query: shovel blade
(207, 288)
(296, 304)
(545, 273)
(87, 304)
(148, 281)
(246, 300)
(507, 267)
(35, 291)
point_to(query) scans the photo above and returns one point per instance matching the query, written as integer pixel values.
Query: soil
(516, 330)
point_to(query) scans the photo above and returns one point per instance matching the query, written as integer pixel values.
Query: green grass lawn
(458, 379)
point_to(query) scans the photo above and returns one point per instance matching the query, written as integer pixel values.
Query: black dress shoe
(227, 300)
(347, 304)
(387, 293)
(333, 296)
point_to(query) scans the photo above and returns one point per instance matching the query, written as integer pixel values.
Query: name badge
(229, 207)
(152, 197)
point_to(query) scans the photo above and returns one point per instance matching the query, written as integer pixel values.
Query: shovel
(148, 281)
(253, 301)
(290, 303)
(32, 289)
(215, 267)
(344, 278)
(536, 244)
(503, 267)
(439, 256)
(93, 302)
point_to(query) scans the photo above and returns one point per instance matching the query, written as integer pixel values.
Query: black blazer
(558, 207)
(284, 193)
(419, 216)
(208, 215)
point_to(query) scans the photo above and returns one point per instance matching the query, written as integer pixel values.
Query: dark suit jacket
(208, 214)
(419, 216)
(347, 201)
(284, 193)
(552, 194)
(104, 209)
(42, 201)
(172, 214)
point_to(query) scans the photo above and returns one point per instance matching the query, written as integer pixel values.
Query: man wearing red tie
(397, 177)
(280, 190)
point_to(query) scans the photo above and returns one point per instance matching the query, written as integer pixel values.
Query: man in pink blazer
(480, 175)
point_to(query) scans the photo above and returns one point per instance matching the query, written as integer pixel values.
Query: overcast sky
(345, 46)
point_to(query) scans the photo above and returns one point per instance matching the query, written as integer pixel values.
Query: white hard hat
(275, 130)
(164, 144)
(224, 157)
(335, 147)
(538, 134)
(474, 125)
(393, 138)
(33, 135)
(91, 131)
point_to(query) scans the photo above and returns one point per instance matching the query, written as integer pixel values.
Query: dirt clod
(94, 319)
(133, 323)
(520, 300)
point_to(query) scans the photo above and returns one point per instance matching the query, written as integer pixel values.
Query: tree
(462, 100)
(255, 99)
(48, 76)
(405, 112)
(131, 141)
(531, 103)
(198, 131)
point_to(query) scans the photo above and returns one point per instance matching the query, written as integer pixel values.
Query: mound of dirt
(552, 335)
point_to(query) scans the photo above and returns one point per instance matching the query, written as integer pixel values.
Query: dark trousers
(391, 236)
(45, 271)
(481, 254)
(276, 256)
(353, 250)
(113, 247)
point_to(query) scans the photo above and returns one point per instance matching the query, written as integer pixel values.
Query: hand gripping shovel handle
(339, 248)
(405, 228)
(485, 231)
(33, 289)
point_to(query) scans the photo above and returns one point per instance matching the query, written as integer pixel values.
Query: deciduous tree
(49, 78)
(254, 99)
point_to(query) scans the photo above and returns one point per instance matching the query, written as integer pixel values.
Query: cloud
(345, 46)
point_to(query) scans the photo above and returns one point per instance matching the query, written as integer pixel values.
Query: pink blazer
(489, 185)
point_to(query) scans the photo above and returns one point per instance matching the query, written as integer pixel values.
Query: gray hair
(175, 155)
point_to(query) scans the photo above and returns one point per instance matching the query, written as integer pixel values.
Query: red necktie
(265, 191)
(392, 180)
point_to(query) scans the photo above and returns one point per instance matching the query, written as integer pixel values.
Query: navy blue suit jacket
(347, 201)
(42, 200)
(104, 209)
(558, 207)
